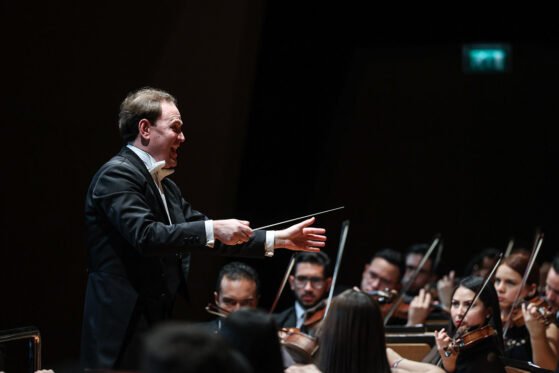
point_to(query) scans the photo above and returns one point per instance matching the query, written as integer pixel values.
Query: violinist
(552, 284)
(352, 339)
(426, 275)
(310, 283)
(522, 331)
(549, 350)
(421, 294)
(482, 262)
(237, 286)
(473, 343)
(384, 271)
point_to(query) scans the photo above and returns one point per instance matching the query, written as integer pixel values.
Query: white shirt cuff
(210, 240)
(269, 247)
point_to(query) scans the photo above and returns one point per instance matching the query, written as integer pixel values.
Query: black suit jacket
(286, 318)
(134, 253)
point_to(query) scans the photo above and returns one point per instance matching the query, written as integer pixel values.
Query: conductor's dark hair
(144, 103)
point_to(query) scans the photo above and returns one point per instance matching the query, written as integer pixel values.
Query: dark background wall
(287, 112)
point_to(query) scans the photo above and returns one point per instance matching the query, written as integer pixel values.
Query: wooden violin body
(302, 347)
(543, 308)
(469, 339)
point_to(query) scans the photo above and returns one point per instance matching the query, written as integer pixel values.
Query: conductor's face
(165, 136)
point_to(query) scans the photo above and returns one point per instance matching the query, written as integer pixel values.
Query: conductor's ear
(144, 127)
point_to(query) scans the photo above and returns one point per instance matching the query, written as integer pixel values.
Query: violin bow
(509, 247)
(439, 256)
(343, 238)
(538, 240)
(284, 281)
(298, 218)
(414, 275)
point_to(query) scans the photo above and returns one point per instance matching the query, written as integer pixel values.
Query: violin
(543, 308)
(302, 347)
(314, 315)
(469, 339)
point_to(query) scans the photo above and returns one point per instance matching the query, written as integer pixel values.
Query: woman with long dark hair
(352, 339)
(482, 355)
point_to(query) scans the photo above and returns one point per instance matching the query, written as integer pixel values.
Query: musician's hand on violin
(444, 288)
(420, 306)
(443, 340)
(533, 320)
(444, 344)
(301, 237)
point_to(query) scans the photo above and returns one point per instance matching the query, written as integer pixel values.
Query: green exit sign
(486, 58)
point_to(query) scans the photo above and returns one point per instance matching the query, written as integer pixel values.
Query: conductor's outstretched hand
(301, 237)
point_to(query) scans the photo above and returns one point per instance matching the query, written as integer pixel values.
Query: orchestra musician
(352, 339)
(547, 350)
(237, 286)
(310, 283)
(518, 337)
(384, 274)
(425, 276)
(552, 284)
(422, 293)
(480, 330)
(384, 271)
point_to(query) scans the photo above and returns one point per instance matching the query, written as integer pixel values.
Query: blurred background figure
(237, 286)
(181, 348)
(254, 334)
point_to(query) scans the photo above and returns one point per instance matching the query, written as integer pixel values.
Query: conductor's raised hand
(301, 237)
(232, 231)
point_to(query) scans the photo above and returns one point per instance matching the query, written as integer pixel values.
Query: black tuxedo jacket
(134, 253)
(286, 318)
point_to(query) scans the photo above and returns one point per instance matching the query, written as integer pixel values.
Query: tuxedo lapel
(139, 164)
